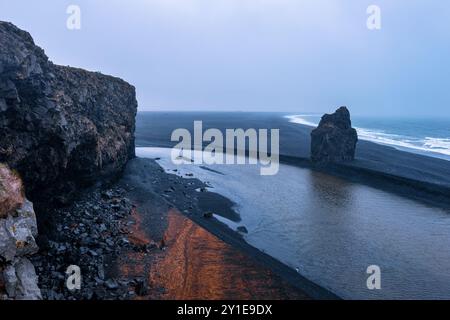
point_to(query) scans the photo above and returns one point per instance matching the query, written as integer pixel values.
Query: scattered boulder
(242, 229)
(208, 215)
(334, 140)
(141, 287)
(111, 284)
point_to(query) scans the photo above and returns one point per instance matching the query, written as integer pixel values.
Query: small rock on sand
(242, 229)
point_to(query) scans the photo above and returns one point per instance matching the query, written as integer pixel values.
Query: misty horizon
(288, 56)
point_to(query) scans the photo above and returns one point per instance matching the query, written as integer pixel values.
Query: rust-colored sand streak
(198, 265)
(194, 264)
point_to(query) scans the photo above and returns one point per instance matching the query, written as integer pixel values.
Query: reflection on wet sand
(194, 264)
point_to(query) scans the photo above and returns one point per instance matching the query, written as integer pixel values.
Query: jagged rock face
(62, 128)
(21, 281)
(334, 140)
(11, 191)
(18, 230)
(17, 233)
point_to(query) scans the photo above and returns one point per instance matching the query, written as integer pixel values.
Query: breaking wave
(433, 146)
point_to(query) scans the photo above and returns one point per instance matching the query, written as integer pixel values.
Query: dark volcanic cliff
(62, 128)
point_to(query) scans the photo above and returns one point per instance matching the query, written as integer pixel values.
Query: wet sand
(194, 264)
(187, 256)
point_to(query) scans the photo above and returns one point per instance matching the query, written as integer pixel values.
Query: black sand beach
(410, 175)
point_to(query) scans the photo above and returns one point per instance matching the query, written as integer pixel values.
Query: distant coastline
(406, 135)
(430, 175)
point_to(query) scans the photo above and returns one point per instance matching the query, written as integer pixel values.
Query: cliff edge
(61, 128)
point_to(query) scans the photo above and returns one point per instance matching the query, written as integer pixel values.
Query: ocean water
(331, 230)
(424, 136)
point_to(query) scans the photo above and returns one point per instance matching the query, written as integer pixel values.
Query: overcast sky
(256, 55)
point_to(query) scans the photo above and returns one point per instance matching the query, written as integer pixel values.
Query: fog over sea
(427, 136)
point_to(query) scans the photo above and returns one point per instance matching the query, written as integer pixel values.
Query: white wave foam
(438, 143)
(300, 120)
(428, 145)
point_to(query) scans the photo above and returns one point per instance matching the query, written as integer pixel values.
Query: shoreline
(428, 193)
(153, 129)
(136, 175)
(425, 192)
